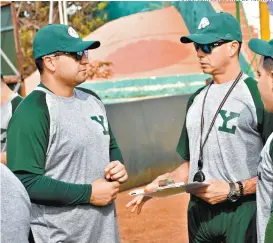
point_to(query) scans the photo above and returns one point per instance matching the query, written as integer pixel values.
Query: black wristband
(241, 188)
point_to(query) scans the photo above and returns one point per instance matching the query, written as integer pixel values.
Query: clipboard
(170, 189)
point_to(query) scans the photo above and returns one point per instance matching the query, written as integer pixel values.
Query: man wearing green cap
(61, 146)
(265, 169)
(224, 131)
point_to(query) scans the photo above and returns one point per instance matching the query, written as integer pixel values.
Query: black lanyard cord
(200, 161)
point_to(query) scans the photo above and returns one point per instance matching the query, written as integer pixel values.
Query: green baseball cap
(215, 27)
(261, 47)
(59, 37)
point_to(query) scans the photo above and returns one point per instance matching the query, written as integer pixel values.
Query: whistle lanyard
(200, 160)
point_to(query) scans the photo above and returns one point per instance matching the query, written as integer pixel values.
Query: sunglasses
(207, 48)
(199, 175)
(76, 55)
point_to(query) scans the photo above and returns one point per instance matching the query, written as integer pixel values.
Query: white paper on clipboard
(169, 190)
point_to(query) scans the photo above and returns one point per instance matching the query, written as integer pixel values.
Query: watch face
(233, 198)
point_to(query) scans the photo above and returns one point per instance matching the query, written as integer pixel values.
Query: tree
(84, 17)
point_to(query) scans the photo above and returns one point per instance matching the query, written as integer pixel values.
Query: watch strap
(241, 188)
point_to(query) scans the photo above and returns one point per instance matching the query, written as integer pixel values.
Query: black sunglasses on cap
(207, 48)
(77, 55)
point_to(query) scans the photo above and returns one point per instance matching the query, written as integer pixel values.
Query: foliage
(84, 17)
(100, 70)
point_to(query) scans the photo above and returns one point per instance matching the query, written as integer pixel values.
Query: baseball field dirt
(162, 220)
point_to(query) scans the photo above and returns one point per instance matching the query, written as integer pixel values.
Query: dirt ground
(162, 220)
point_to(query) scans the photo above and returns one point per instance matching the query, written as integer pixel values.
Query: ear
(234, 46)
(49, 63)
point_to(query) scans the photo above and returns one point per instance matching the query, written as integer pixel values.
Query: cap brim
(199, 38)
(83, 45)
(260, 47)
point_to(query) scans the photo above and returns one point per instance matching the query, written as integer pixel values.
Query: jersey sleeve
(28, 135)
(115, 153)
(48, 191)
(264, 118)
(15, 102)
(183, 148)
(28, 138)
(266, 126)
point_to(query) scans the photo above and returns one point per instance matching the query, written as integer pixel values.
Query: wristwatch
(233, 195)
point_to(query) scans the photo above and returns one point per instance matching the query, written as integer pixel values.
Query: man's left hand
(116, 171)
(216, 192)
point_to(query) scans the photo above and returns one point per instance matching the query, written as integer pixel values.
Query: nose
(84, 60)
(200, 53)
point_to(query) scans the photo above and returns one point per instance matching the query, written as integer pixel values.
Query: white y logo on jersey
(100, 120)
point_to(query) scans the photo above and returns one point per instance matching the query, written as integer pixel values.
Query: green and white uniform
(231, 154)
(265, 189)
(7, 111)
(15, 203)
(57, 147)
(15, 208)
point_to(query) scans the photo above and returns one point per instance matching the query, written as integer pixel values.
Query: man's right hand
(104, 192)
(138, 201)
(179, 175)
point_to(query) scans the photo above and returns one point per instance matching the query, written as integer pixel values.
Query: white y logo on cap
(73, 32)
(203, 23)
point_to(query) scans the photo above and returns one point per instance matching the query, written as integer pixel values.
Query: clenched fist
(104, 192)
(116, 171)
